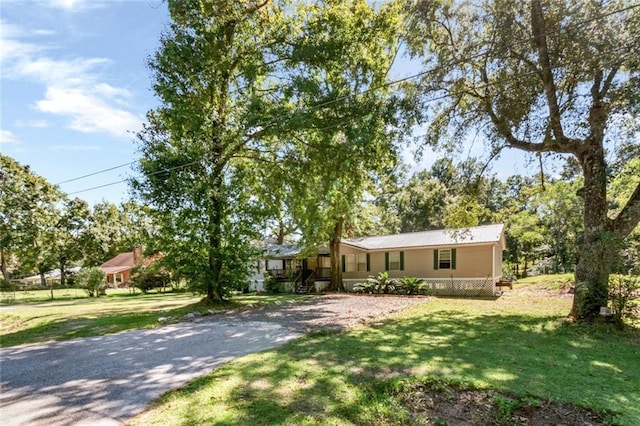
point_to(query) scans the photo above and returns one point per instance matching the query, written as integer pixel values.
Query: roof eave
(482, 243)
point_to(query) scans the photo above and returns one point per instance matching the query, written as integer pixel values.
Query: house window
(350, 263)
(275, 264)
(444, 259)
(324, 262)
(363, 264)
(394, 261)
(118, 278)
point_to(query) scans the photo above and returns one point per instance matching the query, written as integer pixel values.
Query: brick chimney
(137, 255)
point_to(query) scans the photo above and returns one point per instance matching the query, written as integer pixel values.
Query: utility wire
(124, 180)
(288, 117)
(334, 125)
(401, 80)
(95, 173)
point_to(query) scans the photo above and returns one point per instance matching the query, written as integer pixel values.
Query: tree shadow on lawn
(51, 328)
(337, 377)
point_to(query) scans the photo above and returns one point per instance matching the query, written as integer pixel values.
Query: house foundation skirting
(448, 286)
(460, 286)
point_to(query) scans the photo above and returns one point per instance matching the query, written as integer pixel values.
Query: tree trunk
(214, 284)
(43, 281)
(216, 214)
(63, 271)
(334, 248)
(281, 233)
(599, 245)
(3, 266)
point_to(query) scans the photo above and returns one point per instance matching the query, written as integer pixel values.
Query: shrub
(380, 284)
(92, 280)
(623, 291)
(146, 278)
(7, 285)
(365, 287)
(508, 273)
(7, 291)
(412, 285)
(384, 284)
(271, 284)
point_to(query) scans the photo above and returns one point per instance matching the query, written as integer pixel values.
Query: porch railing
(323, 273)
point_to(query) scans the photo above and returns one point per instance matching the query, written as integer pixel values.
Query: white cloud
(88, 112)
(11, 47)
(32, 123)
(74, 87)
(74, 5)
(13, 50)
(42, 32)
(65, 4)
(75, 72)
(7, 137)
(76, 148)
(111, 92)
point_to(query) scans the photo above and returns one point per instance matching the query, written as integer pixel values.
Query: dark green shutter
(344, 263)
(402, 261)
(435, 259)
(453, 258)
(386, 260)
(368, 262)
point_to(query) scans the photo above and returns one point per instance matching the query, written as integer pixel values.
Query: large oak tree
(555, 76)
(211, 74)
(340, 137)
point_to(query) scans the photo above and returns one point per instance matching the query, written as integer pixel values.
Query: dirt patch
(331, 312)
(442, 404)
(559, 290)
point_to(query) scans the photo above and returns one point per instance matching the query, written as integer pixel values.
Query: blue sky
(75, 89)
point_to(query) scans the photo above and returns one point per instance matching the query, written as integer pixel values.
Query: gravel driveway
(107, 379)
(332, 311)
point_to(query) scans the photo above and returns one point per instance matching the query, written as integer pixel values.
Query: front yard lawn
(518, 346)
(69, 318)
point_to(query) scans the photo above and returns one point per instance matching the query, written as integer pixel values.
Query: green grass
(60, 319)
(518, 344)
(548, 282)
(24, 296)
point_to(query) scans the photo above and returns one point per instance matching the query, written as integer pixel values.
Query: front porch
(303, 280)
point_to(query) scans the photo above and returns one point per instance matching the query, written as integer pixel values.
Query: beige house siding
(373, 260)
(471, 262)
(497, 266)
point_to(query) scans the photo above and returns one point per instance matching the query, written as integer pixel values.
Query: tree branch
(609, 80)
(503, 128)
(539, 30)
(629, 217)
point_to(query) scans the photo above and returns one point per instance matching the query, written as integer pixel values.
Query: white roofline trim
(404, 248)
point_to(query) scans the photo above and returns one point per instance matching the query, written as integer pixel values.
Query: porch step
(305, 288)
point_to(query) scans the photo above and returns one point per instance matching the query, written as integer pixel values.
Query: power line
(394, 82)
(370, 89)
(95, 173)
(97, 187)
(124, 180)
(341, 123)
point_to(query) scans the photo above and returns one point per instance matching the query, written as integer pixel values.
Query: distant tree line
(41, 228)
